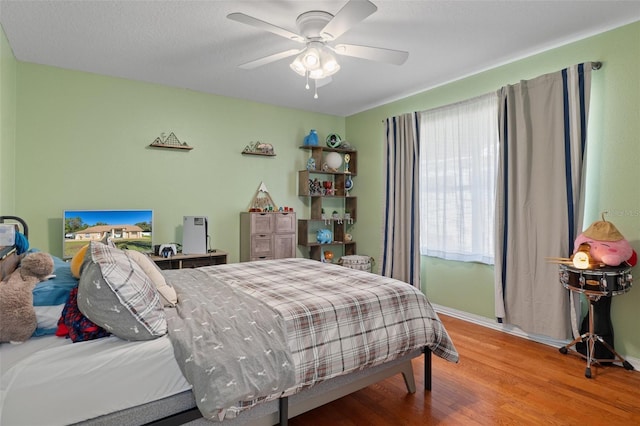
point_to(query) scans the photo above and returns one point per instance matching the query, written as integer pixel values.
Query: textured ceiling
(192, 45)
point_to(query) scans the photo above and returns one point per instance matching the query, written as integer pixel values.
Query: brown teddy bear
(17, 315)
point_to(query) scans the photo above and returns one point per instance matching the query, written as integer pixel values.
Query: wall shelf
(167, 146)
(170, 142)
(258, 153)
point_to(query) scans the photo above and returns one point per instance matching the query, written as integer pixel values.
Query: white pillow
(48, 316)
(167, 293)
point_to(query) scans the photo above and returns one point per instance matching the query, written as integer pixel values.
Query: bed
(339, 330)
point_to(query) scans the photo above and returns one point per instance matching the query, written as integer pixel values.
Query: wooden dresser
(267, 235)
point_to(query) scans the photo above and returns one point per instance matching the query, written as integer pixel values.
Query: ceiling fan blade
(255, 22)
(350, 14)
(268, 59)
(379, 54)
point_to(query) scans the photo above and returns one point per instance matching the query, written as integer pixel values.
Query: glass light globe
(334, 160)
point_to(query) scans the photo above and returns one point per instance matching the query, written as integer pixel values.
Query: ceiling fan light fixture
(311, 58)
(329, 63)
(315, 62)
(298, 67)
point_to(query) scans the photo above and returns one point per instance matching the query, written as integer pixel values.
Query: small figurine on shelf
(324, 236)
(328, 187)
(315, 187)
(347, 217)
(348, 185)
(311, 164)
(336, 217)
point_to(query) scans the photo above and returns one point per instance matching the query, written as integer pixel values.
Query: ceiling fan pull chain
(315, 87)
(307, 75)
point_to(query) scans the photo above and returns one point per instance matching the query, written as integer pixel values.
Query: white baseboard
(511, 329)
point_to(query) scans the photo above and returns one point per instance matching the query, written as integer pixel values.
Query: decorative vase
(311, 164)
(312, 138)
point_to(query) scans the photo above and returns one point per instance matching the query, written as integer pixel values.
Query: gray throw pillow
(117, 295)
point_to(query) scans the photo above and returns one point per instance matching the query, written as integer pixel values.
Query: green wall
(83, 144)
(613, 159)
(7, 125)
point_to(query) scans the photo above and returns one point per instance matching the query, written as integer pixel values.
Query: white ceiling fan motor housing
(312, 23)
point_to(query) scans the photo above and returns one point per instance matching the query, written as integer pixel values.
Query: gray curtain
(543, 126)
(400, 257)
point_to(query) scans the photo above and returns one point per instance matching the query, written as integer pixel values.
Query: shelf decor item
(262, 201)
(170, 142)
(348, 185)
(324, 236)
(259, 148)
(312, 138)
(311, 163)
(333, 161)
(334, 140)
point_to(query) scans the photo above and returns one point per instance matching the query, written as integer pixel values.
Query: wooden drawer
(262, 223)
(262, 258)
(261, 246)
(285, 223)
(284, 245)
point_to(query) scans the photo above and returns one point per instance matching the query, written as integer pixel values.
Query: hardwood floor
(500, 380)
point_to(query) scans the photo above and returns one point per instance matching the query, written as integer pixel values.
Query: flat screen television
(128, 229)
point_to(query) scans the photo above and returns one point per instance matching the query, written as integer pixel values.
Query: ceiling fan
(317, 30)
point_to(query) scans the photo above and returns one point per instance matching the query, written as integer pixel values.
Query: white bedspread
(29, 375)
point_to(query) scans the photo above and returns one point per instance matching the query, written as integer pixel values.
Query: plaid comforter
(338, 320)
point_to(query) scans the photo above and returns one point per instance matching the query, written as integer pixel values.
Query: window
(458, 164)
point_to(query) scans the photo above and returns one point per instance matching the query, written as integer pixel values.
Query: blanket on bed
(229, 345)
(338, 320)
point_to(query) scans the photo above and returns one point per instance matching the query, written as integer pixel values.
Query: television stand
(180, 261)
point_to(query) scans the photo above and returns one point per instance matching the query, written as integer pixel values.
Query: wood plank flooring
(500, 380)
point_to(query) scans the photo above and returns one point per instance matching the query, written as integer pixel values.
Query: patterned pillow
(118, 296)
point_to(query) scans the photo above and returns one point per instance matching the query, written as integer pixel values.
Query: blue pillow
(55, 291)
(50, 296)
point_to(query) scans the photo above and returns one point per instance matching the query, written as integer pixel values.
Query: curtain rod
(595, 66)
